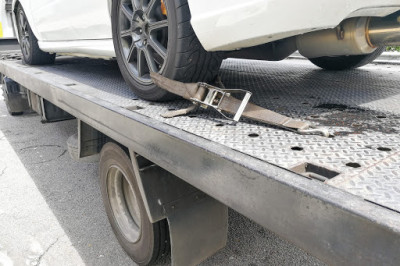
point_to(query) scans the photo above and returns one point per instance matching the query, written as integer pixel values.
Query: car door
(67, 20)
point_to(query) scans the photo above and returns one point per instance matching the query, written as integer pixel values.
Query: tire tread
(193, 62)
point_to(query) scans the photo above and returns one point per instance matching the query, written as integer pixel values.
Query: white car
(186, 40)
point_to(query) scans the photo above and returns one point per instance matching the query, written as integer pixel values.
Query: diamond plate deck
(361, 108)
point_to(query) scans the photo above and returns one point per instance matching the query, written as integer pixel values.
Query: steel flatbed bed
(337, 198)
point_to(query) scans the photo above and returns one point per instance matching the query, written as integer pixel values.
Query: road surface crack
(3, 171)
(39, 259)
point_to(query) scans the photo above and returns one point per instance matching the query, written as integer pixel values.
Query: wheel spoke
(137, 4)
(150, 60)
(22, 22)
(158, 48)
(127, 12)
(153, 26)
(26, 47)
(140, 62)
(150, 6)
(131, 51)
(126, 33)
(144, 39)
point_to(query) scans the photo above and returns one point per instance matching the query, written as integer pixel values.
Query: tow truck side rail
(329, 223)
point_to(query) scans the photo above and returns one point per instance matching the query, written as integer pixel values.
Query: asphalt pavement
(51, 211)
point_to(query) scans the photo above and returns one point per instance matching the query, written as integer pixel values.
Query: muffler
(354, 36)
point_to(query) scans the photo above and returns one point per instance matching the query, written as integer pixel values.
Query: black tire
(185, 59)
(15, 113)
(31, 53)
(346, 62)
(10, 109)
(143, 241)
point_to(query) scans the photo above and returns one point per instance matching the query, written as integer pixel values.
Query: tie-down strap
(205, 96)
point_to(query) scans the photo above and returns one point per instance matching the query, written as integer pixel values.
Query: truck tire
(16, 100)
(9, 110)
(31, 53)
(346, 62)
(157, 36)
(143, 241)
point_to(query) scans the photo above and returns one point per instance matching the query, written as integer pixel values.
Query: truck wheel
(31, 52)
(346, 62)
(11, 112)
(143, 241)
(156, 36)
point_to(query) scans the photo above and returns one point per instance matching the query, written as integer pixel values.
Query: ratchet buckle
(215, 97)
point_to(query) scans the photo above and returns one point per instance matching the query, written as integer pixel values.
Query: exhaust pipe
(355, 36)
(384, 31)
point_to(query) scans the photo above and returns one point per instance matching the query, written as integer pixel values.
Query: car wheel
(346, 62)
(142, 240)
(156, 36)
(31, 53)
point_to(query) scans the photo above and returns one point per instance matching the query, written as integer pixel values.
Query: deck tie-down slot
(313, 171)
(134, 108)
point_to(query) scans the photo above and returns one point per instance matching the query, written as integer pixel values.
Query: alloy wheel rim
(24, 34)
(124, 204)
(143, 34)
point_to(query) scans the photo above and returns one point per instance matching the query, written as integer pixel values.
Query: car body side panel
(103, 48)
(239, 24)
(61, 20)
(80, 30)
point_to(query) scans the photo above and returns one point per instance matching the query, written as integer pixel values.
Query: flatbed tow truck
(338, 198)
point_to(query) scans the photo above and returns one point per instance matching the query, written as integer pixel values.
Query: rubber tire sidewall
(144, 251)
(151, 92)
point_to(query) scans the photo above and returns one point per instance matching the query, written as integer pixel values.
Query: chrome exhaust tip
(354, 36)
(384, 31)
